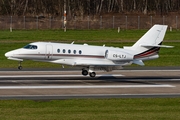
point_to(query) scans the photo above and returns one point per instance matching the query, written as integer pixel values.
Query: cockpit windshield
(30, 47)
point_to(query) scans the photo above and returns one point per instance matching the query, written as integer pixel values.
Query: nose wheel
(20, 67)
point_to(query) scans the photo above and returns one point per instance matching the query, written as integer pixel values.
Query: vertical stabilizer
(149, 44)
(154, 36)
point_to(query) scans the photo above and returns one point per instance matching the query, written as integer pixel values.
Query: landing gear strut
(20, 67)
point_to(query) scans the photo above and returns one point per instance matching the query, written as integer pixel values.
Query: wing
(102, 64)
(91, 62)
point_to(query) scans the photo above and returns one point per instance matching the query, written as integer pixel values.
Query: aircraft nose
(9, 54)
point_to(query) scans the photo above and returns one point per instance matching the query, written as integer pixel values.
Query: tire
(84, 72)
(93, 74)
(19, 67)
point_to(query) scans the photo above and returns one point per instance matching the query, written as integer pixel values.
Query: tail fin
(154, 36)
(149, 44)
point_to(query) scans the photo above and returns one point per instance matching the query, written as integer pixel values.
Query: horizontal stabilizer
(165, 46)
(138, 62)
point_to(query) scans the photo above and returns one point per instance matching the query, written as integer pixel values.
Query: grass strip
(79, 35)
(101, 109)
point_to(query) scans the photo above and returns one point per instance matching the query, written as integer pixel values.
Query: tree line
(86, 7)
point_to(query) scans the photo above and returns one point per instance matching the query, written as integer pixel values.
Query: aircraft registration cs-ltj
(91, 58)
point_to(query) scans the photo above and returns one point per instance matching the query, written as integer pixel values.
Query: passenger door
(49, 51)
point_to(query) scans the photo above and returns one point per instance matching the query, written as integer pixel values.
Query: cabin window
(80, 52)
(74, 51)
(30, 47)
(58, 50)
(64, 51)
(69, 51)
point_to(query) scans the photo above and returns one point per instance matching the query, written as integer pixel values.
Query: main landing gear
(20, 67)
(85, 73)
(92, 74)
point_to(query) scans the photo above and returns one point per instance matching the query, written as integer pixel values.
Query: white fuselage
(73, 54)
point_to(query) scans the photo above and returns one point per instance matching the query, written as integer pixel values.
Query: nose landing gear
(20, 67)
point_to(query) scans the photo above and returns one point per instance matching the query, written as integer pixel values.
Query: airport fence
(89, 22)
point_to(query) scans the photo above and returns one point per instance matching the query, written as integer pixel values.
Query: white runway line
(37, 76)
(29, 76)
(85, 86)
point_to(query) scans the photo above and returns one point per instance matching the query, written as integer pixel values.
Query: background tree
(86, 7)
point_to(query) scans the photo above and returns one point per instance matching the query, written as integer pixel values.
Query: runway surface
(48, 85)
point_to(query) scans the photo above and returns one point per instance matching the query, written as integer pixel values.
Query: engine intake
(118, 55)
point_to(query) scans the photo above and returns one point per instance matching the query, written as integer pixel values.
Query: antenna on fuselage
(72, 42)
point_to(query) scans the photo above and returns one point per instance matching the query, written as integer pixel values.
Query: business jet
(91, 58)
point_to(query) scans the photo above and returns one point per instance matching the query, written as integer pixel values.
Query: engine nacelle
(118, 55)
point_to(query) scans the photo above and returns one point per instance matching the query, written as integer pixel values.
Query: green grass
(90, 109)
(70, 35)
(78, 35)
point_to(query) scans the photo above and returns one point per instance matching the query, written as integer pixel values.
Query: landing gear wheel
(93, 74)
(19, 67)
(84, 72)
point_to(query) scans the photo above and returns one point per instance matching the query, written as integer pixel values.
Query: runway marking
(37, 76)
(86, 86)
